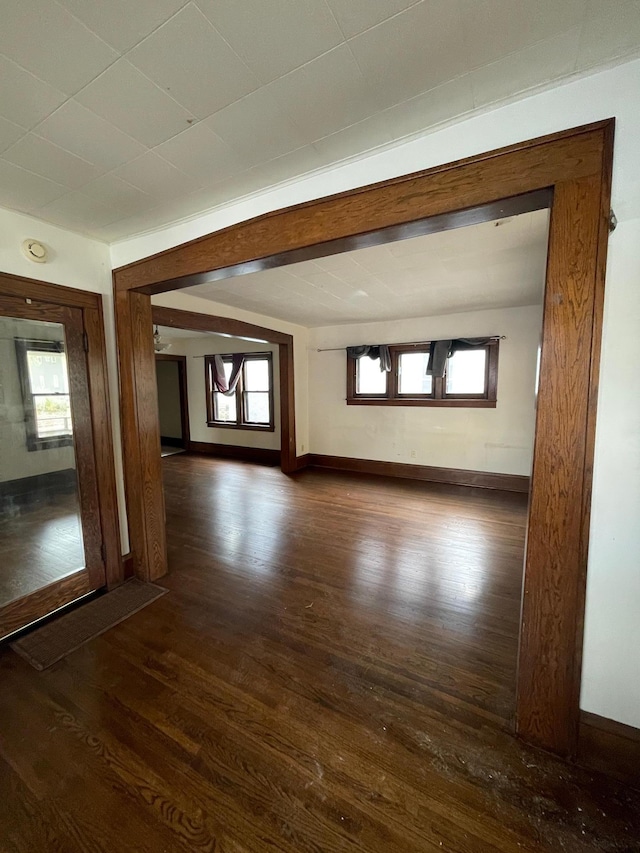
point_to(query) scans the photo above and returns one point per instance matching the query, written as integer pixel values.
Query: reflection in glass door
(49, 527)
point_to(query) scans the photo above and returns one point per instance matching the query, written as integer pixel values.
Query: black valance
(439, 352)
(374, 351)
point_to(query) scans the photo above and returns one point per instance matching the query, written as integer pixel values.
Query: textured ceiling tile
(274, 38)
(614, 32)
(369, 133)
(23, 98)
(413, 52)
(48, 160)
(491, 29)
(326, 95)
(127, 99)
(9, 133)
(79, 212)
(22, 190)
(355, 16)
(122, 23)
(527, 68)
(156, 176)
(45, 39)
(444, 103)
(213, 77)
(82, 132)
(118, 194)
(258, 127)
(203, 155)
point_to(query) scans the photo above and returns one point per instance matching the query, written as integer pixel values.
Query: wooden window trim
(241, 423)
(438, 397)
(34, 443)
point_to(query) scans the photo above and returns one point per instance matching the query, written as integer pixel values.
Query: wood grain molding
(512, 171)
(610, 747)
(262, 455)
(573, 168)
(428, 473)
(100, 484)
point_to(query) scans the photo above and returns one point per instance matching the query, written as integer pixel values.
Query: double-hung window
(470, 378)
(42, 366)
(250, 406)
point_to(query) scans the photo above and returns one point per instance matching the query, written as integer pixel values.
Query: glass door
(50, 534)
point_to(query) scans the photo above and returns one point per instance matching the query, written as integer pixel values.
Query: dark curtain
(220, 380)
(440, 351)
(374, 351)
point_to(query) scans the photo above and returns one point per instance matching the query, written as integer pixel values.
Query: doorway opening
(573, 168)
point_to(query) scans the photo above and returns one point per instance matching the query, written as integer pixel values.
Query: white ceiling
(497, 264)
(117, 117)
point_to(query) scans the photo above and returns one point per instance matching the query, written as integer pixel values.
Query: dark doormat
(44, 646)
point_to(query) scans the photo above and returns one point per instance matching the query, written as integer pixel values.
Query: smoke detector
(34, 251)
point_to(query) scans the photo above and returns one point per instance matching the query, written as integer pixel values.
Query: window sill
(48, 443)
(436, 404)
(254, 427)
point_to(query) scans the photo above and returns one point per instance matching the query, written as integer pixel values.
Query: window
(251, 404)
(42, 366)
(470, 378)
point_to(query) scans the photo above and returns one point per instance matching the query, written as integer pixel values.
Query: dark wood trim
(610, 747)
(90, 303)
(23, 611)
(127, 566)
(183, 380)
(573, 168)
(431, 474)
(262, 455)
(424, 402)
(43, 291)
(178, 319)
(302, 461)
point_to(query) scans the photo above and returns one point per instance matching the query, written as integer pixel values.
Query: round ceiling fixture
(34, 251)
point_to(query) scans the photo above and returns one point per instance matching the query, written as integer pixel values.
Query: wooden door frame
(575, 165)
(90, 304)
(196, 322)
(181, 361)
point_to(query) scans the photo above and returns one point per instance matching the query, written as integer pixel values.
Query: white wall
(195, 349)
(74, 261)
(498, 440)
(300, 335)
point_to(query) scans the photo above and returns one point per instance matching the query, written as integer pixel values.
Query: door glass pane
(466, 372)
(369, 378)
(40, 524)
(413, 377)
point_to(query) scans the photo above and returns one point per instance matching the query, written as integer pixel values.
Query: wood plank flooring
(332, 671)
(39, 544)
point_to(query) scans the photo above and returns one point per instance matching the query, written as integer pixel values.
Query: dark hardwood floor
(39, 544)
(332, 671)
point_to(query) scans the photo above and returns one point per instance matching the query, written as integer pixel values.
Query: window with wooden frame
(470, 378)
(44, 382)
(251, 404)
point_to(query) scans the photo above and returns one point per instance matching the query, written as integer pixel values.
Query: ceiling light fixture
(158, 344)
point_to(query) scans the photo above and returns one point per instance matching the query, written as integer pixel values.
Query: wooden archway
(575, 167)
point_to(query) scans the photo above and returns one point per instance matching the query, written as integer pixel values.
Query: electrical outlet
(413, 454)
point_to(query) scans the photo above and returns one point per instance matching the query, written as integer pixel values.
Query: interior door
(51, 549)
